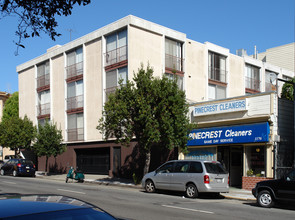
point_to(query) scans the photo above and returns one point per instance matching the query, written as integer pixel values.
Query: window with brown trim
(173, 56)
(116, 49)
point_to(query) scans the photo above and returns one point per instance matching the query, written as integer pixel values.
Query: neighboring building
(3, 97)
(70, 83)
(282, 56)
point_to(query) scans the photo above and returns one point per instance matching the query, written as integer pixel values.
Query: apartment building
(282, 56)
(69, 84)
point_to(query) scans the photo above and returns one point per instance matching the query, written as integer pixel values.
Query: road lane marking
(71, 191)
(193, 210)
(8, 182)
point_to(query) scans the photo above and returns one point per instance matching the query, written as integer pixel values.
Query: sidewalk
(234, 193)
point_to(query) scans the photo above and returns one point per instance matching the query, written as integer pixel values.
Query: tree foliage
(153, 110)
(37, 16)
(17, 133)
(48, 141)
(287, 90)
(11, 108)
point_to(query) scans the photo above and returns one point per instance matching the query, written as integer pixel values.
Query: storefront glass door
(232, 159)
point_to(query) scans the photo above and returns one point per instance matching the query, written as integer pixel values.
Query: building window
(43, 75)
(288, 78)
(270, 81)
(217, 67)
(177, 77)
(41, 122)
(255, 160)
(113, 78)
(43, 107)
(116, 48)
(75, 97)
(216, 92)
(75, 127)
(204, 153)
(75, 63)
(252, 79)
(173, 56)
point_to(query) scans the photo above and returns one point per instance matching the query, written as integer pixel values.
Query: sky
(232, 24)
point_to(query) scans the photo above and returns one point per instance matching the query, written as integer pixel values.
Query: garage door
(94, 160)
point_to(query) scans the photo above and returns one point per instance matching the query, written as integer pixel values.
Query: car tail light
(206, 179)
(19, 165)
(34, 166)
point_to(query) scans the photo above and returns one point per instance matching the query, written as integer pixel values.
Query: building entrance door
(231, 157)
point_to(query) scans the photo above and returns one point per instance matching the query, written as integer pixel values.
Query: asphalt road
(130, 203)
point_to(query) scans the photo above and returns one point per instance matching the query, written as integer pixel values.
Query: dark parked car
(1, 163)
(47, 207)
(269, 191)
(18, 167)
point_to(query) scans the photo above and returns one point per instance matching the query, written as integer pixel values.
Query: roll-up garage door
(94, 160)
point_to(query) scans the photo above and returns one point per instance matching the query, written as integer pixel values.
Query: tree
(11, 107)
(37, 16)
(287, 90)
(48, 142)
(17, 133)
(152, 110)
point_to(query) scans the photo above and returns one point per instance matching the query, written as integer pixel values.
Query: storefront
(234, 147)
(239, 132)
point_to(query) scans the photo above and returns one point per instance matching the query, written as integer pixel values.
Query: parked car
(1, 163)
(190, 176)
(48, 207)
(18, 167)
(270, 191)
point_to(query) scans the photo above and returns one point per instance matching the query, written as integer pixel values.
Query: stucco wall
(57, 92)
(235, 86)
(196, 71)
(27, 94)
(93, 89)
(145, 47)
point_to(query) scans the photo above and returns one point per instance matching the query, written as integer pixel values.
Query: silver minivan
(190, 176)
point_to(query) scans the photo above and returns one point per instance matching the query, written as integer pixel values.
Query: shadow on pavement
(206, 196)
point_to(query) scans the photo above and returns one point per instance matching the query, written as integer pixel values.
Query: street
(131, 203)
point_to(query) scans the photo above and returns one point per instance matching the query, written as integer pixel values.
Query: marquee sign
(251, 133)
(223, 107)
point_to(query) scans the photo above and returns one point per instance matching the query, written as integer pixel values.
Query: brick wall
(249, 181)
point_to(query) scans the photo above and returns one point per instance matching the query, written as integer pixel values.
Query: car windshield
(215, 168)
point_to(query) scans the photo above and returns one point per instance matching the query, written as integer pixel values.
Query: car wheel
(14, 173)
(150, 186)
(67, 179)
(2, 172)
(191, 191)
(265, 199)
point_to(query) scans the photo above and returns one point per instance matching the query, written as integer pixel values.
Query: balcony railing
(116, 56)
(251, 83)
(74, 70)
(75, 102)
(75, 134)
(173, 62)
(43, 109)
(270, 87)
(217, 74)
(43, 80)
